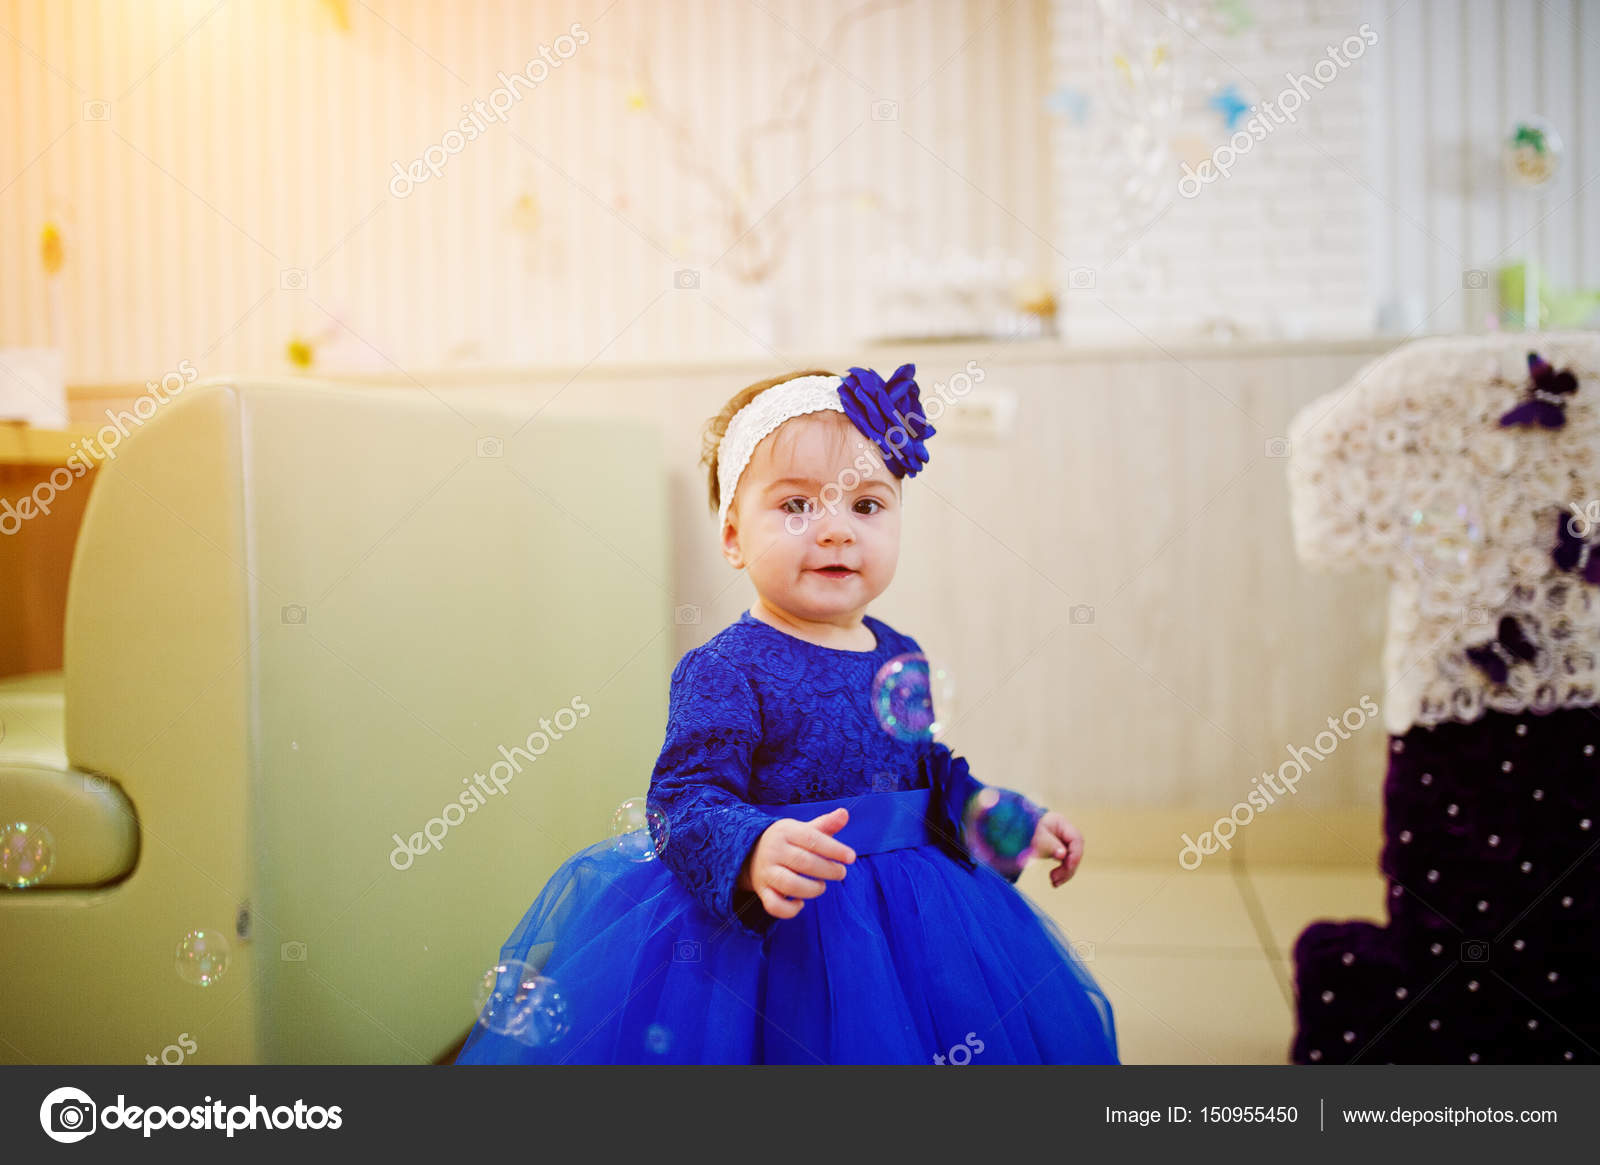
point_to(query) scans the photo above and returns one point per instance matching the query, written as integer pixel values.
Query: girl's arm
(701, 783)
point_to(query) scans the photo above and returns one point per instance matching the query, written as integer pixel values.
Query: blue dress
(920, 955)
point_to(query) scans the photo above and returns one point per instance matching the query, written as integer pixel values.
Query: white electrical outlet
(985, 415)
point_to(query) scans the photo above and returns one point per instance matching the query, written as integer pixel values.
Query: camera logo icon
(686, 951)
(491, 447)
(97, 111)
(292, 952)
(1081, 279)
(686, 280)
(1475, 616)
(686, 614)
(95, 783)
(885, 111)
(1277, 446)
(1475, 950)
(1084, 949)
(294, 613)
(67, 1115)
(1080, 613)
(1474, 280)
(292, 279)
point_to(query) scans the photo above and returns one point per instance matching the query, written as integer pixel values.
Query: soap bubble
(999, 827)
(515, 1000)
(658, 1039)
(1444, 534)
(27, 852)
(911, 697)
(202, 957)
(639, 830)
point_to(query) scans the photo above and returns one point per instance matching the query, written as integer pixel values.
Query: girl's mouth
(834, 571)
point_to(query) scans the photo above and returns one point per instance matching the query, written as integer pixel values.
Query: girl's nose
(834, 528)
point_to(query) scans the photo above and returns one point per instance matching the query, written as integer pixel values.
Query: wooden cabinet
(36, 547)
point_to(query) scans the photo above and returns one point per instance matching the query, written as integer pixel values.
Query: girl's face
(823, 499)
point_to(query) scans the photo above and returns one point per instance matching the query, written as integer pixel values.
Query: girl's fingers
(832, 821)
(816, 841)
(792, 885)
(803, 861)
(778, 906)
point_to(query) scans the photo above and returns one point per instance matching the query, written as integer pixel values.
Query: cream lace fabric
(1407, 468)
(792, 398)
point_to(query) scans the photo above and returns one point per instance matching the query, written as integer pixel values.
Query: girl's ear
(730, 546)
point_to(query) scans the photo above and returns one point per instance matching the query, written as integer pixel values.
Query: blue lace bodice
(759, 719)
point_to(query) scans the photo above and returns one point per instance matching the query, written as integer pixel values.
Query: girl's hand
(790, 856)
(1056, 837)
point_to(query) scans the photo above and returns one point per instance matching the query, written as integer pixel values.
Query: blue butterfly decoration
(1073, 102)
(1546, 402)
(1227, 102)
(1573, 553)
(1508, 648)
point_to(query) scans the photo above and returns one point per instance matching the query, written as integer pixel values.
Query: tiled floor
(1196, 963)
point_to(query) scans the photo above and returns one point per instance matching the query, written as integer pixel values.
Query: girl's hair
(717, 426)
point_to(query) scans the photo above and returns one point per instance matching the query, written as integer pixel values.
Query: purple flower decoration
(891, 414)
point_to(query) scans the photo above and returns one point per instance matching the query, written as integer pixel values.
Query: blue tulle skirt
(911, 959)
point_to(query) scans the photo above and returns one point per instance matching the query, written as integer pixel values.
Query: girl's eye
(871, 502)
(805, 504)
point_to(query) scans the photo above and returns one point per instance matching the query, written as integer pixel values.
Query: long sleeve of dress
(701, 782)
(954, 786)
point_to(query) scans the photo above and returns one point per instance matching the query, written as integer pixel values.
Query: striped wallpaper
(246, 141)
(1451, 78)
(221, 172)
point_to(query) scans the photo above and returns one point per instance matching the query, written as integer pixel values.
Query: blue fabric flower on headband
(891, 414)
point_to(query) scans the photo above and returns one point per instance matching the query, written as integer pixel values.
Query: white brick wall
(1279, 246)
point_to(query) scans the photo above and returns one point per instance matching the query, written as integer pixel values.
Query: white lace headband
(889, 413)
(792, 398)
